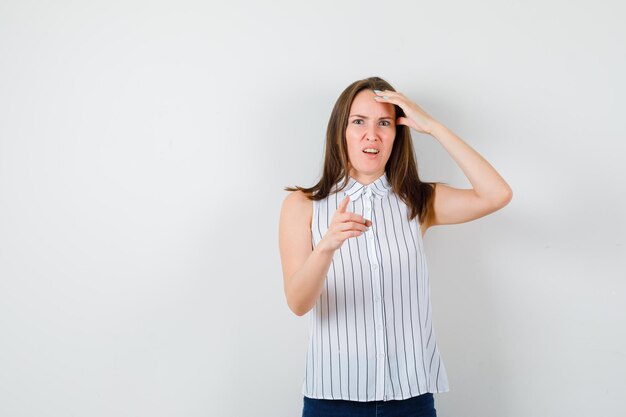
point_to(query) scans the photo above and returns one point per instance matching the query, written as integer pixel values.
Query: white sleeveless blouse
(371, 332)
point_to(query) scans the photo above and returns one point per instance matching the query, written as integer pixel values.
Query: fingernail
(377, 91)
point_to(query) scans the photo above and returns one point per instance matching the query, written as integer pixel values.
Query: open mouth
(371, 151)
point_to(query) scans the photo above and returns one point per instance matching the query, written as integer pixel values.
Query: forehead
(365, 105)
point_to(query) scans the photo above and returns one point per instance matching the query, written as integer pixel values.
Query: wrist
(324, 247)
(437, 129)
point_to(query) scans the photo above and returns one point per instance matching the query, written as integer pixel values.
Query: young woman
(352, 255)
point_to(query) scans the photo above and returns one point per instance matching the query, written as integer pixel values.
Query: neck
(366, 179)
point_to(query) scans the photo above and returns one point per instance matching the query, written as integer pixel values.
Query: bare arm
(304, 268)
(490, 191)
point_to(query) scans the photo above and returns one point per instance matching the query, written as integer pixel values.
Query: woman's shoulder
(298, 201)
(297, 204)
(298, 198)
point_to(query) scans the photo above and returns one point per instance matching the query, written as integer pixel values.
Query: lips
(371, 151)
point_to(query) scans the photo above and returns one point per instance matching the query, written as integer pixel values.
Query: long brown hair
(401, 168)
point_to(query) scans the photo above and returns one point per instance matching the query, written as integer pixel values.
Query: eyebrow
(360, 116)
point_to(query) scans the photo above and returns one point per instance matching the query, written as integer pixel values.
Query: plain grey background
(143, 150)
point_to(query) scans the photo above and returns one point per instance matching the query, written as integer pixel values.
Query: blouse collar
(378, 188)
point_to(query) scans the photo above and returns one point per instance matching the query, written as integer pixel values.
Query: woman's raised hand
(344, 225)
(416, 117)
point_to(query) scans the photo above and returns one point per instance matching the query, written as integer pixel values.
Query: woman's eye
(385, 123)
(358, 121)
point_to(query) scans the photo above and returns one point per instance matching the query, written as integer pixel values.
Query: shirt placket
(378, 301)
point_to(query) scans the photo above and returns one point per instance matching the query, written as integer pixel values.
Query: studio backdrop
(144, 147)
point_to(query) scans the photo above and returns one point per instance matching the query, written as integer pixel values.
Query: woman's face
(369, 135)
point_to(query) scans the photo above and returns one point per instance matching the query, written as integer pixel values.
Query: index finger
(341, 208)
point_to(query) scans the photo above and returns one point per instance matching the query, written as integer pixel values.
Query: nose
(371, 134)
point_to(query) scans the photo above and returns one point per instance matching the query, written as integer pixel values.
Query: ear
(402, 121)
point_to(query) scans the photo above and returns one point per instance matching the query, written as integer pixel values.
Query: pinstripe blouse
(371, 333)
